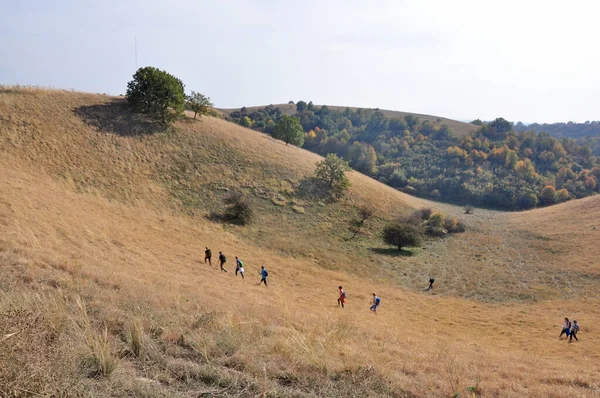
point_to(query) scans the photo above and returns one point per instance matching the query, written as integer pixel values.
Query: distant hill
(569, 129)
(460, 128)
(587, 133)
(488, 164)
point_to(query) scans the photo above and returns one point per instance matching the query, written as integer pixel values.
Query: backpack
(377, 300)
(344, 294)
(240, 264)
(266, 273)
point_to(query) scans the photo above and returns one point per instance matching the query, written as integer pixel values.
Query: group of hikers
(239, 266)
(569, 330)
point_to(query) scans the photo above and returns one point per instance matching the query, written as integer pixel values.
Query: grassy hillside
(102, 291)
(460, 128)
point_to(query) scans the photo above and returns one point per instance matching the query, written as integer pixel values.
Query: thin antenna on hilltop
(136, 53)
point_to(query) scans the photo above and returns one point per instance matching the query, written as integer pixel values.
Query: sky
(527, 60)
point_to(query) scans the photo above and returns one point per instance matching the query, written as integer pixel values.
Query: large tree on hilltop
(156, 93)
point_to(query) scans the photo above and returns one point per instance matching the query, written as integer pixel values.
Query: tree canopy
(156, 93)
(289, 130)
(331, 171)
(199, 103)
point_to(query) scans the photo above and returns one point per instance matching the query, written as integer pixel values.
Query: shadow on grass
(115, 117)
(392, 252)
(310, 188)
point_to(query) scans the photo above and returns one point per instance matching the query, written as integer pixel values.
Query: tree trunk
(195, 113)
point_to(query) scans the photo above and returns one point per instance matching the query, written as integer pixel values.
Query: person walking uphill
(376, 301)
(207, 256)
(239, 267)
(574, 331)
(222, 261)
(566, 329)
(263, 276)
(342, 298)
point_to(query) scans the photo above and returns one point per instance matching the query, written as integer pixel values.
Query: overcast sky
(523, 60)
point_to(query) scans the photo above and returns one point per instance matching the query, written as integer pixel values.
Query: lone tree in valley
(199, 103)
(156, 93)
(331, 172)
(403, 235)
(289, 130)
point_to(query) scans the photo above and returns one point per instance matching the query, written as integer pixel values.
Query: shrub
(356, 224)
(452, 225)
(239, 211)
(156, 93)
(435, 225)
(403, 235)
(425, 213)
(469, 209)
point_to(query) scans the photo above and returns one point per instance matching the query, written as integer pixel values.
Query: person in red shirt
(342, 298)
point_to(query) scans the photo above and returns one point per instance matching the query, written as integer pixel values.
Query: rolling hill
(103, 222)
(460, 128)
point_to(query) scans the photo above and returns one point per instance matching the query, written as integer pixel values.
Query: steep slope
(101, 235)
(460, 128)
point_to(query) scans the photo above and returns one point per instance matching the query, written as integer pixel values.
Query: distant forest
(495, 167)
(587, 133)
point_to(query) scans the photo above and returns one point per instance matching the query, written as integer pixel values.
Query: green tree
(548, 195)
(562, 195)
(403, 235)
(301, 106)
(245, 121)
(199, 103)
(156, 93)
(289, 130)
(331, 171)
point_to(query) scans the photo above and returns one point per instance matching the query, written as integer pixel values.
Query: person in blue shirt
(263, 276)
(574, 330)
(376, 301)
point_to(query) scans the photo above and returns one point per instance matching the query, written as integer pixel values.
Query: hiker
(431, 280)
(239, 267)
(207, 256)
(574, 330)
(566, 329)
(222, 261)
(263, 275)
(342, 298)
(376, 301)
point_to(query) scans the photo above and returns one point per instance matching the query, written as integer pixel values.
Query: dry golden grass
(101, 278)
